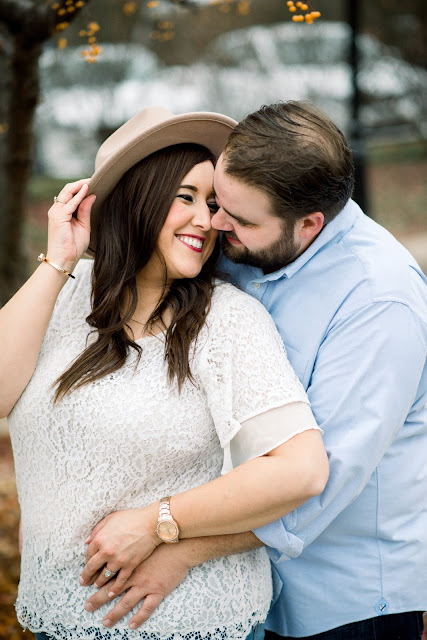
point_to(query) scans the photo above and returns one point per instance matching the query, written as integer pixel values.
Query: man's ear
(310, 226)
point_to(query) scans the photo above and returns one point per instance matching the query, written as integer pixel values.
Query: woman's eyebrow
(188, 186)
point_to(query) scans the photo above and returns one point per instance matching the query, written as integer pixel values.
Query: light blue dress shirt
(352, 313)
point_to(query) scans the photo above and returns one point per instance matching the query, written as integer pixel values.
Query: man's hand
(163, 571)
(151, 582)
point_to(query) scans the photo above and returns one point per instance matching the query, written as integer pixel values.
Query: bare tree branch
(33, 22)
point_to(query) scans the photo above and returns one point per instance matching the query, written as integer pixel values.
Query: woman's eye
(213, 207)
(185, 197)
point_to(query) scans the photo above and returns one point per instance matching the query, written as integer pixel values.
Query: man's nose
(221, 222)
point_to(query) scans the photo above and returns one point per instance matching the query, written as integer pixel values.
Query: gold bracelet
(42, 258)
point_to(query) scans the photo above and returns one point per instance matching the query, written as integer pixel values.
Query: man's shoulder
(375, 262)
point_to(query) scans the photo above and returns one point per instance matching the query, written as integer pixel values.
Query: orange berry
(55, 6)
(82, 33)
(292, 9)
(129, 8)
(71, 9)
(91, 40)
(62, 43)
(94, 26)
(80, 4)
(61, 26)
(243, 7)
(290, 3)
(315, 14)
(152, 3)
(62, 12)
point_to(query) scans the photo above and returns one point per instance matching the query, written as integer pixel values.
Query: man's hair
(295, 154)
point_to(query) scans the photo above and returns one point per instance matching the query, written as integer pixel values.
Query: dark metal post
(357, 143)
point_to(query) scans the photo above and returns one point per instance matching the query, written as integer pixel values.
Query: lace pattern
(123, 441)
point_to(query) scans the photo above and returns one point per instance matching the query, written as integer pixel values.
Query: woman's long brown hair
(132, 218)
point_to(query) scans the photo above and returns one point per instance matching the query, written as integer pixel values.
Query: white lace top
(125, 441)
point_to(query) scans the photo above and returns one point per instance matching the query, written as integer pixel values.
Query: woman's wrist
(60, 261)
(150, 515)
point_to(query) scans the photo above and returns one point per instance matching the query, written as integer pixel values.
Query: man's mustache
(231, 234)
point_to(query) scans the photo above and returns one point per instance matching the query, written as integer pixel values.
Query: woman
(178, 378)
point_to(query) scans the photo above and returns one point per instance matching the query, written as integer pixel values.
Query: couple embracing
(167, 398)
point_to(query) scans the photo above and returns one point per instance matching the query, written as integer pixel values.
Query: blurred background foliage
(71, 71)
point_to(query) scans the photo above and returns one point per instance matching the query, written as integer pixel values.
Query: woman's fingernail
(96, 585)
(110, 595)
(87, 540)
(107, 622)
(81, 580)
(89, 607)
(132, 625)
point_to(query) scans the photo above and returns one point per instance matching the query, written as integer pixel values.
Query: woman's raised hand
(69, 224)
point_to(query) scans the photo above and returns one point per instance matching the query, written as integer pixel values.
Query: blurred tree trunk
(24, 26)
(5, 82)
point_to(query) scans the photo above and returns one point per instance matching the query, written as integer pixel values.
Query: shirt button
(257, 285)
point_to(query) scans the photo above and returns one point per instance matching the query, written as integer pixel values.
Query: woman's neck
(150, 293)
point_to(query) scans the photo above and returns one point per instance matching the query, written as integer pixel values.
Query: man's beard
(282, 252)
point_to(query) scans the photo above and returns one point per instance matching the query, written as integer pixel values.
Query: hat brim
(208, 129)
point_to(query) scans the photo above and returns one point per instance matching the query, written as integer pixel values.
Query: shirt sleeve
(245, 372)
(365, 381)
(268, 430)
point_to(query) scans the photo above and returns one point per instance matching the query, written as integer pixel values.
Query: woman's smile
(193, 242)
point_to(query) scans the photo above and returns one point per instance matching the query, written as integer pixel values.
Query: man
(350, 304)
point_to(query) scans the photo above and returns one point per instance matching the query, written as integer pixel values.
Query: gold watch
(167, 529)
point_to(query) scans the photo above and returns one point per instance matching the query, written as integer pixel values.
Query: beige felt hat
(150, 130)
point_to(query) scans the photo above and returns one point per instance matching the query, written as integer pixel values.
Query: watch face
(167, 530)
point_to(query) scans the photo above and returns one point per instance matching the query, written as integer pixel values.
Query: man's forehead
(237, 197)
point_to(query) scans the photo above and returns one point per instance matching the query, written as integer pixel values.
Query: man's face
(252, 233)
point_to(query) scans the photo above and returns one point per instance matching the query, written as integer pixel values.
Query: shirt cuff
(281, 545)
(266, 431)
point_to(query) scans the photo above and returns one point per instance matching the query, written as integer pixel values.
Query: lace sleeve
(244, 368)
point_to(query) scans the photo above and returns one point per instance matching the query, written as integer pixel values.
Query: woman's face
(187, 239)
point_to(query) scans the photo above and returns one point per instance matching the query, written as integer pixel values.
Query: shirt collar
(332, 232)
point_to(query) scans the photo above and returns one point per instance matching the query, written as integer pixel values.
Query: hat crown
(145, 120)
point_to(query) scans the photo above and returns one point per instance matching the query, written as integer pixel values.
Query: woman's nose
(202, 218)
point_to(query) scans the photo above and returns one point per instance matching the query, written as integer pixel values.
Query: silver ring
(56, 199)
(108, 573)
